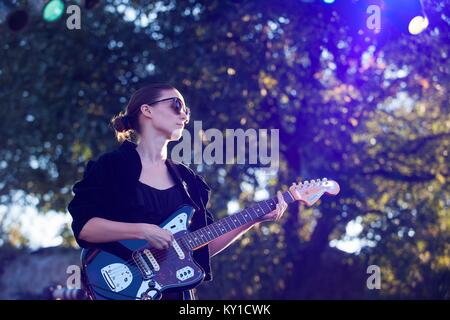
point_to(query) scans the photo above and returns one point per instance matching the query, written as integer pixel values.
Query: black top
(109, 189)
(160, 204)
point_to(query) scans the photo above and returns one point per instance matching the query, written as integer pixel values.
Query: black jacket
(108, 190)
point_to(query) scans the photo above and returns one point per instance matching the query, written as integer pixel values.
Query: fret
(228, 226)
(236, 221)
(272, 204)
(261, 209)
(244, 215)
(267, 205)
(207, 235)
(228, 218)
(209, 232)
(221, 228)
(196, 239)
(213, 230)
(190, 240)
(290, 199)
(183, 243)
(203, 236)
(250, 213)
(199, 238)
(217, 229)
(255, 212)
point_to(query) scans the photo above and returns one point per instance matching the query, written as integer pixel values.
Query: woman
(128, 192)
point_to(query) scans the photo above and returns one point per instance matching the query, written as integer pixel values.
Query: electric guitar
(133, 270)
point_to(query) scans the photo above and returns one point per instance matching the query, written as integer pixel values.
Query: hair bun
(121, 123)
(126, 122)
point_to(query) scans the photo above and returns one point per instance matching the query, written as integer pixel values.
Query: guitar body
(133, 270)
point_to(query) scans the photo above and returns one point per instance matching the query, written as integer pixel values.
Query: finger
(278, 211)
(280, 200)
(164, 245)
(280, 197)
(171, 238)
(168, 236)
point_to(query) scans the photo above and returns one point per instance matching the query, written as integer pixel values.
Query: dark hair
(126, 123)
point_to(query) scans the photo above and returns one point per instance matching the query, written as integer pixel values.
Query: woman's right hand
(157, 237)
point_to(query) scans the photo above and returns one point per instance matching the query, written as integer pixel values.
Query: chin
(176, 134)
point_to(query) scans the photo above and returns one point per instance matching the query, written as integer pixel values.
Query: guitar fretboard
(200, 237)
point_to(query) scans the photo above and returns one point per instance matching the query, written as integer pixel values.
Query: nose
(184, 116)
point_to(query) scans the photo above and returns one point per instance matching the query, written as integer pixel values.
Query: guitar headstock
(311, 191)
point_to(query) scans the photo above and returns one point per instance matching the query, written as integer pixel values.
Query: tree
(368, 110)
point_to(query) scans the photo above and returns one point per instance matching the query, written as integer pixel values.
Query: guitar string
(160, 253)
(169, 256)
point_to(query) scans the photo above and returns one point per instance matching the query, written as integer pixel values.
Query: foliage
(370, 111)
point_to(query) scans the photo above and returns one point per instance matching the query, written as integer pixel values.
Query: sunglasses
(177, 105)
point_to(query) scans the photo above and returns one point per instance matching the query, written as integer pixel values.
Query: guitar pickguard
(131, 269)
(177, 224)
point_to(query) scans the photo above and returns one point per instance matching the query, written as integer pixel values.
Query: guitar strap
(187, 178)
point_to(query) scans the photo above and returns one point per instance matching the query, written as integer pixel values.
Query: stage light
(53, 10)
(407, 15)
(329, 1)
(417, 25)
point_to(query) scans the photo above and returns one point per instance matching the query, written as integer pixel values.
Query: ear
(145, 109)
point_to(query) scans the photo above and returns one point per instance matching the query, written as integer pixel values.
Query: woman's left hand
(276, 214)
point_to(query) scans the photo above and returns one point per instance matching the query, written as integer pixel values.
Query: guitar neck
(206, 234)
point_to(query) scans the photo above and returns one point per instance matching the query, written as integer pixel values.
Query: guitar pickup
(178, 250)
(142, 265)
(152, 259)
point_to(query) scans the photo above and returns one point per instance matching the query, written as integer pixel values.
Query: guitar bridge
(117, 276)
